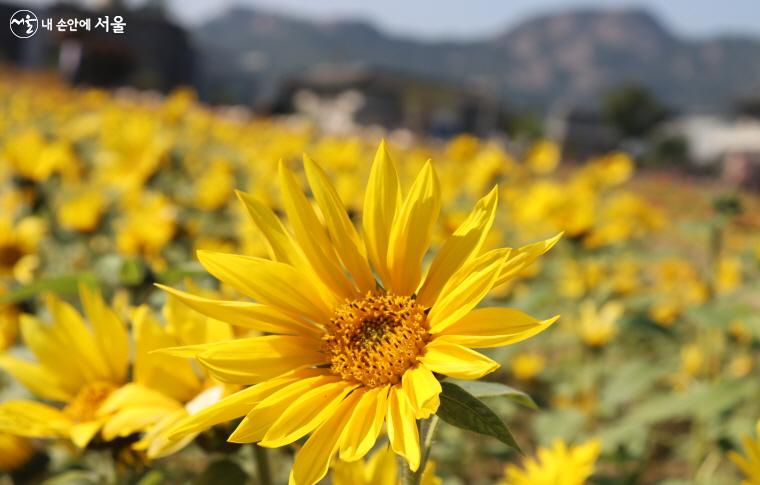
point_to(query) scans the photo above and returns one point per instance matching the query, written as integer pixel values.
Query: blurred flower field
(649, 376)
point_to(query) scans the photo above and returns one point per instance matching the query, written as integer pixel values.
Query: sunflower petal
(246, 314)
(110, 332)
(402, 428)
(456, 361)
(282, 247)
(279, 285)
(460, 247)
(412, 231)
(313, 460)
(252, 360)
(524, 257)
(261, 418)
(422, 390)
(382, 200)
(493, 327)
(466, 289)
(235, 405)
(311, 236)
(305, 413)
(35, 378)
(365, 424)
(347, 242)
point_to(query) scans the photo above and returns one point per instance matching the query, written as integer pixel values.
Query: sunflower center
(376, 338)
(9, 255)
(84, 406)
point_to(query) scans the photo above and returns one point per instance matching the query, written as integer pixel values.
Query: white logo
(23, 24)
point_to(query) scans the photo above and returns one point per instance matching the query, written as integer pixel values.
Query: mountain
(567, 58)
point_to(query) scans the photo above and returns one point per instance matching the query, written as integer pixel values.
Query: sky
(472, 19)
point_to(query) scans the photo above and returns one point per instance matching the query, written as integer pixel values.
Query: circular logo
(23, 24)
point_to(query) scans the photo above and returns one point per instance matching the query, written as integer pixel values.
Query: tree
(633, 110)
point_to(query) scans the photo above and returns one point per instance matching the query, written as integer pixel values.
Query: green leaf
(463, 410)
(223, 471)
(61, 285)
(495, 389)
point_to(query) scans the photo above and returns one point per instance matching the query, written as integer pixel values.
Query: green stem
(427, 428)
(262, 465)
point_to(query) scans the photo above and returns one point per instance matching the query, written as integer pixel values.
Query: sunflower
(18, 246)
(77, 365)
(359, 334)
(163, 389)
(749, 465)
(558, 465)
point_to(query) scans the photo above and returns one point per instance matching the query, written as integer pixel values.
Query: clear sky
(467, 19)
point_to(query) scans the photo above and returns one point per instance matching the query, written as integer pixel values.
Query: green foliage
(633, 110)
(463, 410)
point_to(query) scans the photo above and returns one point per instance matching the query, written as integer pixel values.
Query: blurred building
(379, 96)
(152, 52)
(581, 133)
(723, 145)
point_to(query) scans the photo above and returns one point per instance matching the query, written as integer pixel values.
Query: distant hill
(565, 58)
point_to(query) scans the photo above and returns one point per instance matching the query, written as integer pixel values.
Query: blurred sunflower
(349, 352)
(15, 452)
(749, 464)
(77, 365)
(18, 246)
(558, 465)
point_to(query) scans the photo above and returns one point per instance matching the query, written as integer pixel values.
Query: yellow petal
(365, 423)
(246, 314)
(258, 421)
(52, 353)
(282, 246)
(132, 420)
(306, 413)
(79, 342)
(381, 202)
(313, 460)
(133, 394)
(311, 236)
(252, 360)
(35, 378)
(175, 377)
(402, 428)
(236, 405)
(343, 233)
(456, 361)
(82, 433)
(110, 332)
(33, 419)
(422, 390)
(524, 257)
(412, 231)
(494, 327)
(466, 288)
(459, 248)
(276, 284)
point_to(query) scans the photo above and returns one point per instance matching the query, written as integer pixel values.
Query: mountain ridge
(550, 60)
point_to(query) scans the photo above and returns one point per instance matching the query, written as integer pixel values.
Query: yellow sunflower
(163, 389)
(749, 464)
(360, 334)
(77, 365)
(558, 465)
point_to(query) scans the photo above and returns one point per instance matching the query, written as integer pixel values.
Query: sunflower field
(197, 295)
